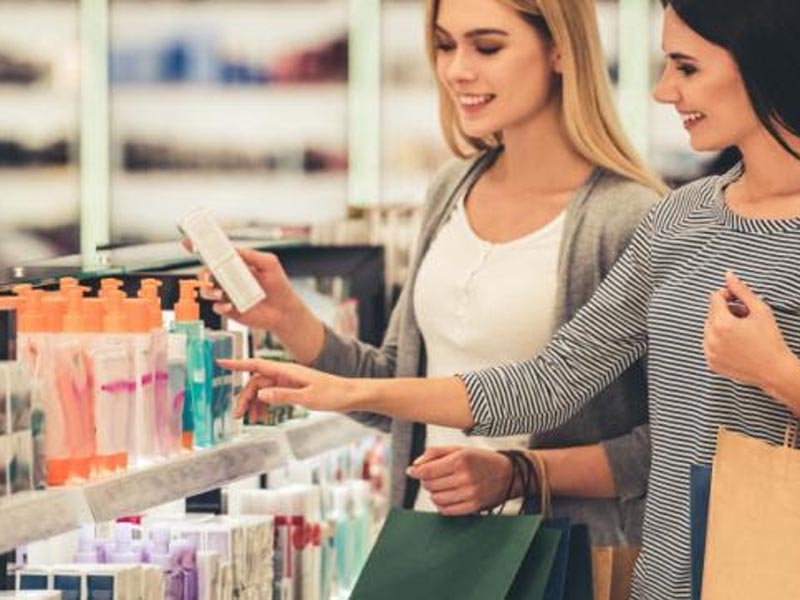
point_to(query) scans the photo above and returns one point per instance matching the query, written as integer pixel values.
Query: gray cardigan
(600, 221)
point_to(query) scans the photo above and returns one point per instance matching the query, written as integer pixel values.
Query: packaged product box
(5, 459)
(20, 469)
(18, 389)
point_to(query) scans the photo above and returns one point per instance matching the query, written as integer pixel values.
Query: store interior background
(299, 118)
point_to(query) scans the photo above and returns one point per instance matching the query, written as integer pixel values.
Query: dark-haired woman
(720, 351)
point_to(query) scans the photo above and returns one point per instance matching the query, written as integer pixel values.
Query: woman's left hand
(287, 383)
(748, 349)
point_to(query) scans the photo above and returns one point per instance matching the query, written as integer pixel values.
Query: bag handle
(530, 470)
(545, 496)
(790, 435)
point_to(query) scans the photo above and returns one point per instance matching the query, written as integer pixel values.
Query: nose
(460, 68)
(666, 91)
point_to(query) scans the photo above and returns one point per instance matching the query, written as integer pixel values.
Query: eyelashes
(486, 50)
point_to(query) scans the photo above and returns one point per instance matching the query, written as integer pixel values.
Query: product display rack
(197, 476)
(37, 515)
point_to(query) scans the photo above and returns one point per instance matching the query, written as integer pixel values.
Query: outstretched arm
(404, 398)
(607, 335)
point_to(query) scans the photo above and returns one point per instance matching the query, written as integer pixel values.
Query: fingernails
(410, 471)
(419, 460)
(266, 395)
(222, 308)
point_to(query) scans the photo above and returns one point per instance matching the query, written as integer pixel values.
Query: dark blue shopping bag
(699, 491)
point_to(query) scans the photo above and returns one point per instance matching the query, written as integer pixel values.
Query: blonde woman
(517, 234)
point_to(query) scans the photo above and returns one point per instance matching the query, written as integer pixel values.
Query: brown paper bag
(612, 570)
(753, 539)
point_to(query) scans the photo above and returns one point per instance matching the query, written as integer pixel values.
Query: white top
(480, 304)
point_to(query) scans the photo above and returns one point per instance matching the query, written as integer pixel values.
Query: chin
(705, 145)
(474, 130)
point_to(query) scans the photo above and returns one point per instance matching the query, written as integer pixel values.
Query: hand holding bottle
(281, 312)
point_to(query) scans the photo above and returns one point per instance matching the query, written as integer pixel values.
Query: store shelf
(39, 197)
(37, 515)
(150, 205)
(187, 475)
(321, 433)
(236, 116)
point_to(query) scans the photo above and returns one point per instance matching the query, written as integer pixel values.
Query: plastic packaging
(221, 258)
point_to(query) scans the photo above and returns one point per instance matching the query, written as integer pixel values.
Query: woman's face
(497, 69)
(703, 82)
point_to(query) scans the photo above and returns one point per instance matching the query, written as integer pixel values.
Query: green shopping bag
(428, 556)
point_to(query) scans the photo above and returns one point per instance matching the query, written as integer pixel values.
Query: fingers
(441, 484)
(280, 395)
(460, 509)
(284, 372)
(209, 290)
(248, 394)
(439, 467)
(434, 453)
(718, 304)
(742, 291)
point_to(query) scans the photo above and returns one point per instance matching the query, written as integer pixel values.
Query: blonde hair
(588, 114)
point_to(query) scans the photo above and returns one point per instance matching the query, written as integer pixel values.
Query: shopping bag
(699, 490)
(612, 570)
(427, 556)
(753, 537)
(579, 566)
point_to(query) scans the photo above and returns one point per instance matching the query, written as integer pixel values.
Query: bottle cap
(94, 311)
(73, 317)
(136, 314)
(114, 319)
(148, 290)
(109, 285)
(187, 307)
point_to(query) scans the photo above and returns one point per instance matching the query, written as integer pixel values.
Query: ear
(555, 60)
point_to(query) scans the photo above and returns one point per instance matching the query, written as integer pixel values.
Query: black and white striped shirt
(655, 301)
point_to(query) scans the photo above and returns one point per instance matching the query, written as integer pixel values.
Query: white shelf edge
(37, 515)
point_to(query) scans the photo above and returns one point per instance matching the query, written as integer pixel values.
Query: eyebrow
(475, 32)
(680, 56)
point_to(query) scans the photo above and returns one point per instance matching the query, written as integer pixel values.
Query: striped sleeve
(585, 355)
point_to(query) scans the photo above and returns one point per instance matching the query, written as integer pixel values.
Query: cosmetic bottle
(73, 374)
(121, 392)
(342, 538)
(222, 386)
(114, 388)
(165, 443)
(169, 561)
(87, 547)
(176, 392)
(197, 432)
(9, 311)
(187, 559)
(219, 254)
(123, 551)
(144, 449)
(76, 341)
(362, 520)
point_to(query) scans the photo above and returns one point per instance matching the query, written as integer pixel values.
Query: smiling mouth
(474, 100)
(691, 118)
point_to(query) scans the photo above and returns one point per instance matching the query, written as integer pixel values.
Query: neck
(769, 169)
(538, 156)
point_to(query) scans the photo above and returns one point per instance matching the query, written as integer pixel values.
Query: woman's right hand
(282, 312)
(463, 480)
